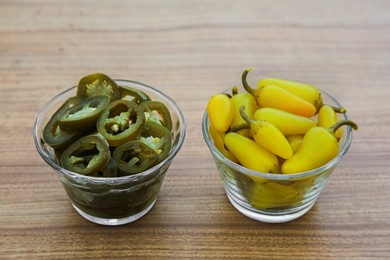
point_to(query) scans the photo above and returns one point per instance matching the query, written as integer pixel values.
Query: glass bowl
(275, 198)
(114, 200)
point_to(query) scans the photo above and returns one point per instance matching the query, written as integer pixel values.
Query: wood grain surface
(191, 50)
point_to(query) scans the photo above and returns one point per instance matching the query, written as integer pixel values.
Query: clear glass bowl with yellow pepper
(271, 195)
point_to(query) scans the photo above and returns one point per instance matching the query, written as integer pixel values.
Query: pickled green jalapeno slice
(157, 137)
(87, 155)
(134, 157)
(107, 172)
(120, 122)
(84, 114)
(156, 111)
(53, 134)
(132, 94)
(97, 84)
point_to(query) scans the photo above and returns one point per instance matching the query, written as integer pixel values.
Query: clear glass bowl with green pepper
(110, 196)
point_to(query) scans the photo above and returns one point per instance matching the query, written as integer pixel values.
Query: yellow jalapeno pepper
(295, 141)
(270, 194)
(277, 97)
(262, 193)
(249, 102)
(218, 138)
(318, 147)
(288, 123)
(239, 100)
(327, 116)
(250, 154)
(220, 111)
(305, 91)
(268, 136)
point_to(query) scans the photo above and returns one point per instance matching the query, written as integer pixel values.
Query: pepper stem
(245, 116)
(234, 90)
(248, 88)
(239, 127)
(242, 126)
(340, 110)
(340, 123)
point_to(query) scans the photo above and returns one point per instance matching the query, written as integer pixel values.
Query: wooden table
(191, 50)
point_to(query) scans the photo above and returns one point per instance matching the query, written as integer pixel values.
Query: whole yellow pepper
(305, 91)
(288, 123)
(263, 193)
(250, 154)
(218, 138)
(270, 194)
(268, 136)
(318, 147)
(295, 141)
(239, 100)
(327, 116)
(220, 111)
(302, 90)
(277, 97)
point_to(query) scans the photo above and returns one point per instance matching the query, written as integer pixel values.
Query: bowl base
(270, 218)
(114, 221)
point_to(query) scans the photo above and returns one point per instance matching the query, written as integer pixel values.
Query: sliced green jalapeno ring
(120, 122)
(85, 114)
(132, 94)
(156, 111)
(134, 157)
(109, 171)
(87, 155)
(157, 137)
(54, 135)
(97, 84)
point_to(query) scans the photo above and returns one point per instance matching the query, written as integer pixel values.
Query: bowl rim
(343, 150)
(38, 141)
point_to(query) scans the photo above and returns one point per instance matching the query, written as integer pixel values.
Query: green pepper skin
(164, 142)
(120, 122)
(87, 155)
(85, 114)
(54, 135)
(97, 84)
(132, 94)
(134, 157)
(152, 107)
(107, 172)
